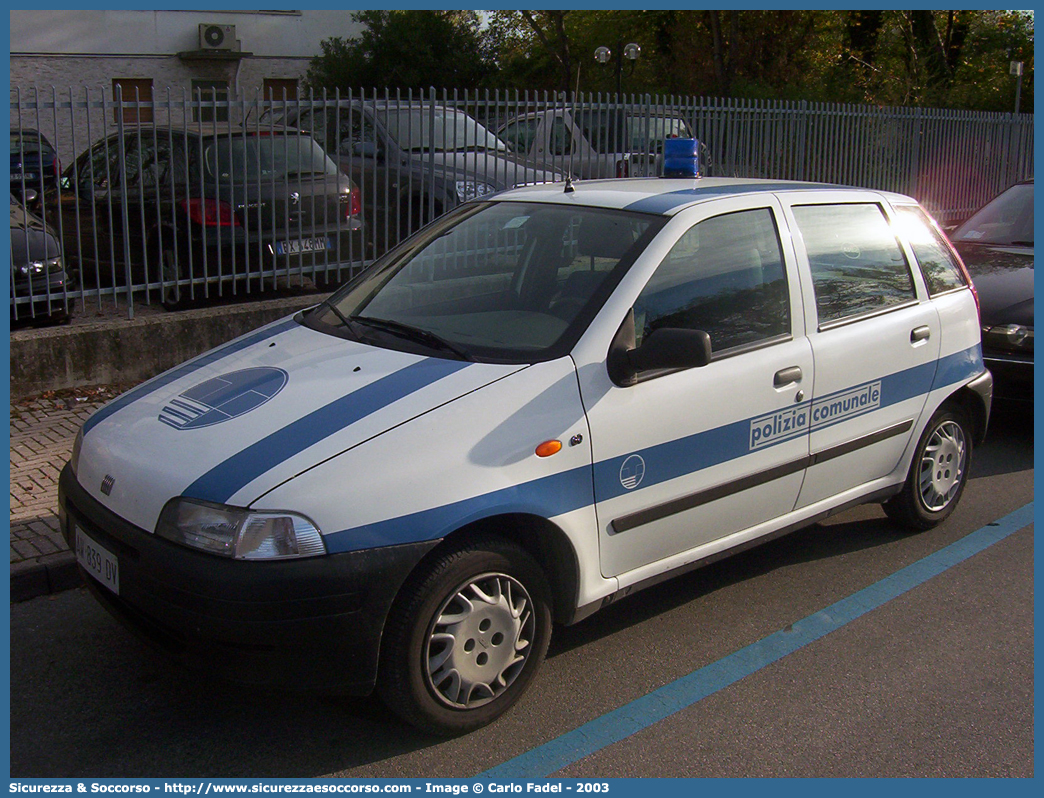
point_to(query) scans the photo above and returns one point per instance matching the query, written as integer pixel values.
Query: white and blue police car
(542, 402)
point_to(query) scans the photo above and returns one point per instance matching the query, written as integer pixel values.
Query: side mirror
(665, 349)
(672, 348)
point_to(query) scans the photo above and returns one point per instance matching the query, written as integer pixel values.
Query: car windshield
(503, 281)
(1006, 220)
(616, 131)
(438, 129)
(238, 159)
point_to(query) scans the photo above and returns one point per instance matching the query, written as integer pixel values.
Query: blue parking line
(686, 691)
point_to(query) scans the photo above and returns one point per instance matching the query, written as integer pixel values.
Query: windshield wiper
(345, 321)
(413, 334)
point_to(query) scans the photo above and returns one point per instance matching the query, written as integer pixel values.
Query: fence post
(915, 155)
(121, 171)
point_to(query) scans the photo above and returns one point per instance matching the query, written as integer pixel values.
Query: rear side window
(856, 262)
(936, 259)
(724, 276)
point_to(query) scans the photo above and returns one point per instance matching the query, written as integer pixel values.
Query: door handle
(787, 376)
(921, 333)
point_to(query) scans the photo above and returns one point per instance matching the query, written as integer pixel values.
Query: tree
(404, 50)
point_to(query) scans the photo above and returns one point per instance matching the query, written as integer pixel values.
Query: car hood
(236, 422)
(1003, 278)
(498, 169)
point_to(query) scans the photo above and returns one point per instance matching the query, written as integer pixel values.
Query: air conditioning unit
(217, 37)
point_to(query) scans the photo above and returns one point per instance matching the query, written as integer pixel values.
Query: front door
(690, 457)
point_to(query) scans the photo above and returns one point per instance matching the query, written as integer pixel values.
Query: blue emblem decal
(222, 398)
(632, 471)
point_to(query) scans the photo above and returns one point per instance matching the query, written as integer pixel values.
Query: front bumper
(312, 624)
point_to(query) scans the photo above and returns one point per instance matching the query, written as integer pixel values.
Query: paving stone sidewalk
(42, 433)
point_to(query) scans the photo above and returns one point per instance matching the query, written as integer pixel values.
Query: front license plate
(98, 560)
(302, 245)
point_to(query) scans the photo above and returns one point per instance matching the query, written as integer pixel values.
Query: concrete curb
(51, 573)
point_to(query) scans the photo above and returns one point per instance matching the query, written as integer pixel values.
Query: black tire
(173, 266)
(465, 637)
(938, 472)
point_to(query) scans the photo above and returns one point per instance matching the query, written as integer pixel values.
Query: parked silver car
(595, 142)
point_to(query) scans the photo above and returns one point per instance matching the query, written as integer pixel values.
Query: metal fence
(179, 199)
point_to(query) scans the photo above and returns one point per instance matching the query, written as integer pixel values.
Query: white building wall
(72, 57)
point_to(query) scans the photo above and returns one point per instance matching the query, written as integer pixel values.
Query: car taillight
(623, 168)
(354, 202)
(210, 212)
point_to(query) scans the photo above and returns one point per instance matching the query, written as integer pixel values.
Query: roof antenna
(569, 185)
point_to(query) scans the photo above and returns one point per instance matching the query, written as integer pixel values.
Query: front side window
(520, 134)
(937, 261)
(505, 282)
(857, 265)
(724, 276)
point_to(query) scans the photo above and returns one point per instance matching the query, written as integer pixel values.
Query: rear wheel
(466, 637)
(938, 473)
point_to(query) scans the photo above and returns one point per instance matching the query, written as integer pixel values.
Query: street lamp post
(1016, 69)
(631, 51)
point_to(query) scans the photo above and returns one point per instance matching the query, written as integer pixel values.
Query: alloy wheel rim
(480, 641)
(942, 466)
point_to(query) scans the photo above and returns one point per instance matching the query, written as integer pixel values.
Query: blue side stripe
(545, 497)
(178, 372)
(662, 203)
(643, 712)
(225, 479)
(570, 490)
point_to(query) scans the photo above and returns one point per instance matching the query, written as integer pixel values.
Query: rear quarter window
(937, 261)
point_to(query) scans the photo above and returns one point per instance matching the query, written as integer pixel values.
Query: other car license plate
(22, 176)
(302, 245)
(98, 560)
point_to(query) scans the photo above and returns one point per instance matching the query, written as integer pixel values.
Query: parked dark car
(38, 277)
(413, 161)
(34, 163)
(186, 209)
(996, 244)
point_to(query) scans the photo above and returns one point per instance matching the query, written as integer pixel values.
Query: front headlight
(469, 189)
(1011, 337)
(239, 533)
(49, 266)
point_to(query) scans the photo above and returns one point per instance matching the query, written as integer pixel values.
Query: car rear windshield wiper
(413, 334)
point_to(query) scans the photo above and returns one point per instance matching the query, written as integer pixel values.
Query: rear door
(875, 338)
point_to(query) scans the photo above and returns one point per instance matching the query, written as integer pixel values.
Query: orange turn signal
(548, 448)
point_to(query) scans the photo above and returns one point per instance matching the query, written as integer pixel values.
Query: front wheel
(466, 637)
(938, 473)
